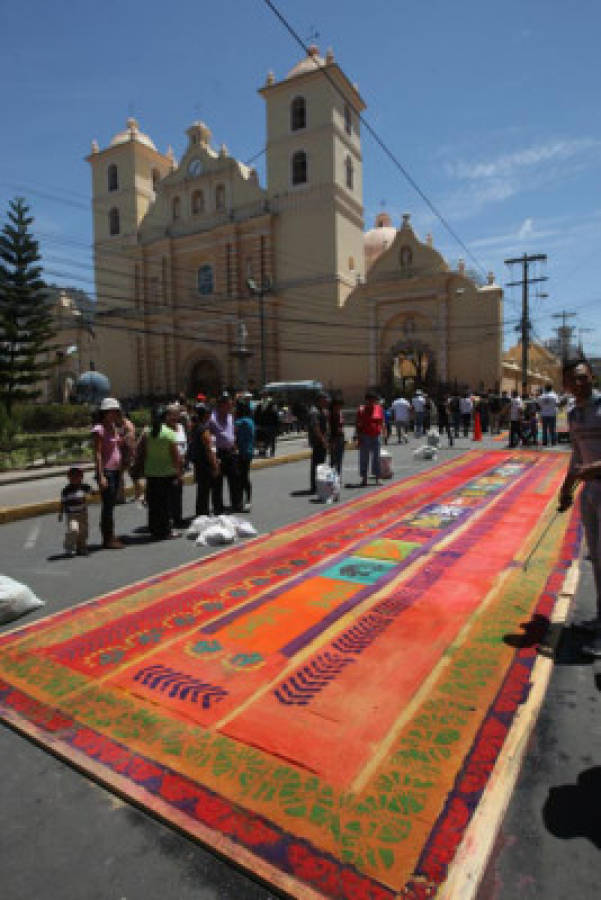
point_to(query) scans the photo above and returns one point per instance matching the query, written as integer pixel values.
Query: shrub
(42, 417)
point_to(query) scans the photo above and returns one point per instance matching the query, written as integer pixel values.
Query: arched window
(113, 177)
(348, 122)
(299, 167)
(220, 197)
(348, 165)
(156, 177)
(298, 114)
(176, 208)
(204, 280)
(198, 203)
(114, 221)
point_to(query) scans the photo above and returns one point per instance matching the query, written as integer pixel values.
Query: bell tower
(125, 178)
(314, 178)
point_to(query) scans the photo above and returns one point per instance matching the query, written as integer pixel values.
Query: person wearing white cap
(108, 461)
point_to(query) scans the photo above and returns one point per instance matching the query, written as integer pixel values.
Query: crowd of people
(219, 440)
(456, 414)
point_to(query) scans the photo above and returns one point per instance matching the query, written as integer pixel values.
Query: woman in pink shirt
(108, 460)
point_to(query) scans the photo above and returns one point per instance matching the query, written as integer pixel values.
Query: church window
(113, 178)
(299, 167)
(114, 224)
(351, 263)
(156, 177)
(198, 203)
(348, 122)
(220, 197)
(204, 280)
(348, 165)
(298, 114)
(176, 207)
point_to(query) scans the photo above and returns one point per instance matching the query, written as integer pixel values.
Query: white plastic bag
(197, 525)
(327, 483)
(243, 527)
(433, 438)
(385, 464)
(425, 452)
(216, 534)
(16, 599)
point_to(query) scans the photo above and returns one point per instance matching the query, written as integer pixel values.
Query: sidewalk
(34, 473)
(25, 494)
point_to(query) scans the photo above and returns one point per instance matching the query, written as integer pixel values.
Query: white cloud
(486, 182)
(526, 228)
(510, 164)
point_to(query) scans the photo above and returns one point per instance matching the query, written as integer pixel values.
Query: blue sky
(492, 108)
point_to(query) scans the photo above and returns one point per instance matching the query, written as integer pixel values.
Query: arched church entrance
(204, 378)
(407, 365)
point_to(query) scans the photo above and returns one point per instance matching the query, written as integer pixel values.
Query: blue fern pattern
(300, 688)
(180, 686)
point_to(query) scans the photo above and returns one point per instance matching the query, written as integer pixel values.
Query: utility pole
(259, 290)
(525, 282)
(564, 332)
(582, 331)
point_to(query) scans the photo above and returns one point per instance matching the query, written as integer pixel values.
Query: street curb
(475, 850)
(44, 507)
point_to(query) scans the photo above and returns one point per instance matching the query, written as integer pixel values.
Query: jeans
(419, 423)
(549, 430)
(401, 432)
(515, 432)
(318, 456)
(245, 485)
(204, 483)
(590, 510)
(108, 499)
(337, 452)
(228, 469)
(369, 446)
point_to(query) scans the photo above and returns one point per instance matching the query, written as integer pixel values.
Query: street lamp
(259, 290)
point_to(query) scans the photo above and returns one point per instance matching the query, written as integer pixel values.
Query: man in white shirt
(466, 406)
(547, 403)
(419, 405)
(401, 414)
(515, 419)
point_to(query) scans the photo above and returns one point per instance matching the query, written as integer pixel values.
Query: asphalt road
(64, 837)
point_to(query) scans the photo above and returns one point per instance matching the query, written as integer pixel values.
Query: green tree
(26, 323)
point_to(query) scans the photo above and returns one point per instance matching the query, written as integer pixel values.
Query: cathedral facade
(205, 278)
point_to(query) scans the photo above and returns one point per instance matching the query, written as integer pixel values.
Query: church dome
(132, 133)
(309, 64)
(379, 238)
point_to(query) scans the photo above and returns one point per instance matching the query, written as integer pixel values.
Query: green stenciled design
(51, 680)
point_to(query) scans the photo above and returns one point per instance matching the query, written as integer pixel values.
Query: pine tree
(26, 324)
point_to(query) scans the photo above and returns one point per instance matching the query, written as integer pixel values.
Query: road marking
(32, 537)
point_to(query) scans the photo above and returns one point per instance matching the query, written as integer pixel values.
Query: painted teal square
(359, 569)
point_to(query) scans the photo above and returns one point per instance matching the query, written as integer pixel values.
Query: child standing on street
(73, 505)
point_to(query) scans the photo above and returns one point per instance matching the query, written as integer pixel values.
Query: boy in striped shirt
(74, 508)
